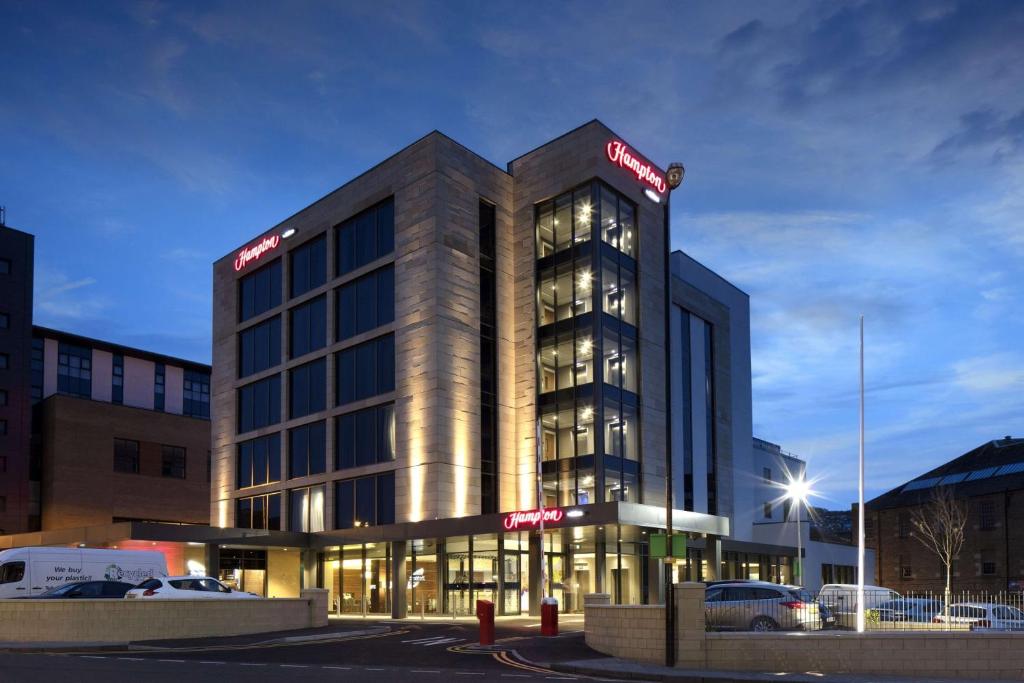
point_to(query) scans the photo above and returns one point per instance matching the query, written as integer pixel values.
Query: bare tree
(939, 525)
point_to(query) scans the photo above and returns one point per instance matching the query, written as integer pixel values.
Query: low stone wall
(637, 632)
(115, 621)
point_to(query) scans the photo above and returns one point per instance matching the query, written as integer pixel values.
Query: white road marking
(369, 669)
(131, 659)
(294, 666)
(211, 662)
(425, 671)
(468, 673)
(341, 668)
(92, 657)
(443, 641)
(174, 661)
(250, 664)
(515, 676)
(422, 640)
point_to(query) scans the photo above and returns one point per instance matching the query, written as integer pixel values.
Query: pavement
(370, 649)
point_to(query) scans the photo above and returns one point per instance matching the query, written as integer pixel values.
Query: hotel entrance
(357, 578)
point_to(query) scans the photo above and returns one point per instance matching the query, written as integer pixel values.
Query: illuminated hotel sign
(620, 154)
(254, 252)
(530, 519)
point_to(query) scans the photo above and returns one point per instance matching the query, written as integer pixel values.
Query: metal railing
(744, 609)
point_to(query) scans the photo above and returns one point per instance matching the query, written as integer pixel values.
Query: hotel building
(405, 367)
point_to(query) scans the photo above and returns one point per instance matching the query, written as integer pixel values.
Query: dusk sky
(842, 159)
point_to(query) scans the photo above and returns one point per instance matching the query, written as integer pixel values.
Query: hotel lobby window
(259, 291)
(565, 362)
(308, 266)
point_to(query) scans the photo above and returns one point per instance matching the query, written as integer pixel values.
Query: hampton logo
(531, 518)
(619, 153)
(257, 250)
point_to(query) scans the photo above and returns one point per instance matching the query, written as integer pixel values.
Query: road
(445, 652)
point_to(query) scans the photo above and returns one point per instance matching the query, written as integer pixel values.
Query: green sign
(659, 544)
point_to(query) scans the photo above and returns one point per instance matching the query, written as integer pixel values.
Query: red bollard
(549, 617)
(485, 613)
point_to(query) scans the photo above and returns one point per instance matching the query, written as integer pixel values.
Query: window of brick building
(904, 525)
(987, 515)
(172, 462)
(988, 566)
(126, 456)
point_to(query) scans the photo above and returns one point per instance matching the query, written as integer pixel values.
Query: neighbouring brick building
(989, 481)
(92, 432)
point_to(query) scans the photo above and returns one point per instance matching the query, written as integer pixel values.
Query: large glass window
(259, 404)
(74, 370)
(365, 303)
(366, 370)
(618, 224)
(566, 362)
(565, 221)
(567, 432)
(308, 265)
(306, 509)
(259, 461)
(259, 512)
(307, 450)
(126, 456)
(620, 359)
(619, 297)
(307, 388)
(366, 237)
(564, 292)
(196, 394)
(365, 437)
(309, 327)
(620, 430)
(259, 291)
(367, 501)
(259, 347)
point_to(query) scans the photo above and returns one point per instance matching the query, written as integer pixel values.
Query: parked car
(28, 572)
(763, 606)
(842, 597)
(983, 615)
(186, 588)
(88, 589)
(908, 609)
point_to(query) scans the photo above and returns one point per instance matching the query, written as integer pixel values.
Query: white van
(28, 572)
(842, 597)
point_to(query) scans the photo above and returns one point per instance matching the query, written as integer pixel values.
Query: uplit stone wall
(118, 621)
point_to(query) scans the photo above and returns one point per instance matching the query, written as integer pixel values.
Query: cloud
(998, 135)
(60, 298)
(991, 374)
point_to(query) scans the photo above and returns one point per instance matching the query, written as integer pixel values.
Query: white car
(186, 588)
(983, 615)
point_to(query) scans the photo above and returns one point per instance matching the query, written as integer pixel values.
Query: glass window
(309, 327)
(259, 461)
(5, 266)
(172, 462)
(366, 237)
(307, 388)
(620, 430)
(619, 292)
(117, 379)
(618, 224)
(565, 293)
(5, 361)
(259, 291)
(565, 362)
(306, 509)
(196, 394)
(567, 433)
(159, 386)
(620, 360)
(308, 266)
(126, 456)
(259, 404)
(366, 370)
(365, 437)
(365, 303)
(12, 572)
(366, 501)
(307, 449)
(259, 347)
(344, 505)
(386, 498)
(259, 512)
(74, 370)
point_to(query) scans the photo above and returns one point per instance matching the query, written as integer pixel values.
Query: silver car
(763, 606)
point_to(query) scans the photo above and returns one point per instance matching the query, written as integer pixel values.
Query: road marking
(422, 640)
(443, 641)
(341, 668)
(468, 673)
(211, 662)
(250, 664)
(131, 659)
(294, 666)
(515, 676)
(175, 661)
(425, 671)
(561, 678)
(92, 657)
(369, 669)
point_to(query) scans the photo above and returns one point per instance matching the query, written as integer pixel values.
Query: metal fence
(763, 607)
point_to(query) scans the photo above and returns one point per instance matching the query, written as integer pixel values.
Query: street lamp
(797, 491)
(674, 180)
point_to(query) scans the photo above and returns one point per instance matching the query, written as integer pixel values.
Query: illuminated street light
(797, 490)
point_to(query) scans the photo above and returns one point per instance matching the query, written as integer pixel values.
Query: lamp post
(674, 179)
(797, 491)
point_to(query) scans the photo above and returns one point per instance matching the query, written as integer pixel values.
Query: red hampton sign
(619, 153)
(254, 252)
(530, 519)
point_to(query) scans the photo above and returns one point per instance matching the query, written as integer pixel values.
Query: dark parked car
(89, 589)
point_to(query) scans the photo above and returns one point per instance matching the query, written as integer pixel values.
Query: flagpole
(860, 495)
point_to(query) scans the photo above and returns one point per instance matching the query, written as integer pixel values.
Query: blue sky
(842, 158)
